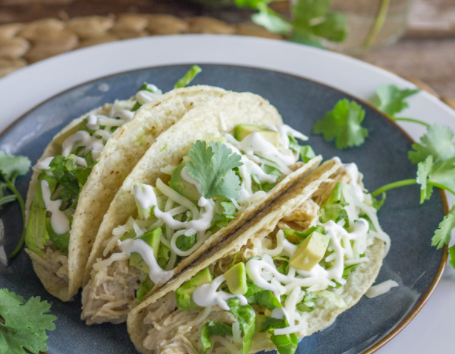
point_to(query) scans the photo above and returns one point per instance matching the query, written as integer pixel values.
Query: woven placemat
(22, 44)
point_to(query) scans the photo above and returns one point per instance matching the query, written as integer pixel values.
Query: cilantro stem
(412, 121)
(13, 189)
(441, 186)
(377, 26)
(406, 182)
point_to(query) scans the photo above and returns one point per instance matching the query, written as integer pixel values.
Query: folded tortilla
(62, 272)
(111, 281)
(158, 326)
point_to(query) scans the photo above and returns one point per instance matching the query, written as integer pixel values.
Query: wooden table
(427, 52)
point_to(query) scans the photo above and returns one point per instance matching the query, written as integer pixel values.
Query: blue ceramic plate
(412, 262)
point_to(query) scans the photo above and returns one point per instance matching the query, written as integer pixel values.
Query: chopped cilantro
(212, 166)
(23, 324)
(343, 124)
(10, 168)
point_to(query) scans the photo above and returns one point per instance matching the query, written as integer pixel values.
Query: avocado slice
(236, 279)
(182, 187)
(243, 130)
(184, 294)
(151, 238)
(310, 252)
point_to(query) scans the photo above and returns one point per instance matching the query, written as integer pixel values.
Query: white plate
(432, 330)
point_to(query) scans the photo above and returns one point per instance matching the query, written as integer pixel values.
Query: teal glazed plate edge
(412, 262)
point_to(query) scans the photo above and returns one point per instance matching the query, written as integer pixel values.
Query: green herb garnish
(343, 124)
(212, 166)
(23, 324)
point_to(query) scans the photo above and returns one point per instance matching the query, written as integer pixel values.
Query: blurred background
(414, 38)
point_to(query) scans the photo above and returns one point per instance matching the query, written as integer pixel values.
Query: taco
(200, 181)
(80, 172)
(286, 274)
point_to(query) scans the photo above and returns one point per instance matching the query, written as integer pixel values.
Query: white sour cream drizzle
(59, 222)
(346, 248)
(381, 288)
(207, 295)
(82, 138)
(144, 96)
(146, 197)
(44, 164)
(156, 274)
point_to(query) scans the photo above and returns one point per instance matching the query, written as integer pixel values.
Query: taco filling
(277, 289)
(214, 183)
(63, 176)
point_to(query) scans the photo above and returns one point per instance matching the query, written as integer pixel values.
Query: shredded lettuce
(213, 329)
(144, 289)
(246, 317)
(285, 344)
(260, 297)
(307, 304)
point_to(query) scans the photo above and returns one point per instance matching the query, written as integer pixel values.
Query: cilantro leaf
(313, 21)
(12, 166)
(392, 100)
(246, 317)
(270, 20)
(443, 174)
(188, 77)
(24, 324)
(343, 124)
(436, 142)
(213, 329)
(212, 166)
(442, 234)
(423, 170)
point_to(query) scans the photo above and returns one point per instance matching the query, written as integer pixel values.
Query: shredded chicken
(56, 261)
(173, 331)
(111, 293)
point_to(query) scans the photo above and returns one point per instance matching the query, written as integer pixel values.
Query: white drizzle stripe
(380, 289)
(156, 274)
(146, 198)
(59, 222)
(207, 295)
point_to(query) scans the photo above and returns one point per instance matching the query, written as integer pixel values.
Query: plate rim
(442, 265)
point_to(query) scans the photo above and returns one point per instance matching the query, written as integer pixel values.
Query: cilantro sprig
(23, 324)
(343, 124)
(434, 155)
(12, 167)
(212, 166)
(312, 21)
